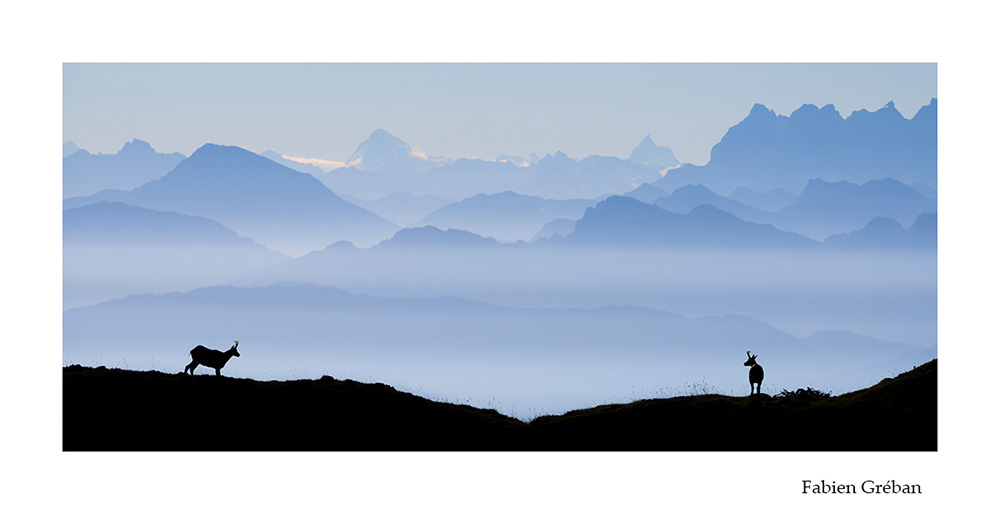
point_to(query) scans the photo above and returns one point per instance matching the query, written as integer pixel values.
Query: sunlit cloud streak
(324, 164)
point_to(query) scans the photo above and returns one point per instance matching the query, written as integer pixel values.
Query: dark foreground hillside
(111, 409)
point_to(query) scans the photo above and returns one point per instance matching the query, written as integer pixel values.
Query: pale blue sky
(324, 111)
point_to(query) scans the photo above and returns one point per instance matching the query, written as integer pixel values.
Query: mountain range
(505, 216)
(623, 221)
(764, 231)
(402, 208)
(524, 357)
(134, 165)
(278, 207)
(822, 209)
(383, 151)
(767, 151)
(70, 148)
(826, 208)
(649, 155)
(887, 233)
(112, 250)
(384, 164)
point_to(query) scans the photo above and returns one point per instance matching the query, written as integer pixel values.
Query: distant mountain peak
(811, 112)
(760, 110)
(208, 149)
(430, 236)
(888, 111)
(558, 158)
(532, 158)
(384, 151)
(380, 136)
(649, 155)
(136, 146)
(70, 148)
(135, 164)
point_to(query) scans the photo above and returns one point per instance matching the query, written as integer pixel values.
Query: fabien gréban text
(866, 487)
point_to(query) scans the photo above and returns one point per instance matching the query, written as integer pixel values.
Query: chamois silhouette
(756, 372)
(211, 358)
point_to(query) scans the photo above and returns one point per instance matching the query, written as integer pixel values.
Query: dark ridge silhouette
(116, 410)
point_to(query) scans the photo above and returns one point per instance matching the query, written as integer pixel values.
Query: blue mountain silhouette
(113, 249)
(561, 177)
(70, 148)
(769, 201)
(685, 199)
(649, 155)
(134, 165)
(383, 151)
(568, 349)
(433, 237)
(767, 151)
(119, 224)
(281, 208)
(887, 233)
(556, 228)
(826, 208)
(402, 208)
(626, 222)
(384, 164)
(505, 216)
(647, 193)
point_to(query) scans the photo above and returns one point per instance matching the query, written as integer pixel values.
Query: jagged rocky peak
(648, 154)
(136, 146)
(384, 151)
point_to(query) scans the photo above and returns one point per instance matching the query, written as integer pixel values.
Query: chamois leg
(218, 372)
(190, 367)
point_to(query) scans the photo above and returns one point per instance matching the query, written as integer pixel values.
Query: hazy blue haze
(384, 164)
(822, 258)
(113, 250)
(524, 362)
(402, 208)
(888, 293)
(461, 110)
(132, 166)
(504, 216)
(823, 208)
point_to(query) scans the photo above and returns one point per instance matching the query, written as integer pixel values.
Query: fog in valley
(531, 287)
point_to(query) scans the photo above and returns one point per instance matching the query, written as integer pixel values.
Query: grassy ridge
(111, 409)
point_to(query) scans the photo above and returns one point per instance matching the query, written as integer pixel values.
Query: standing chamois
(756, 372)
(211, 358)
